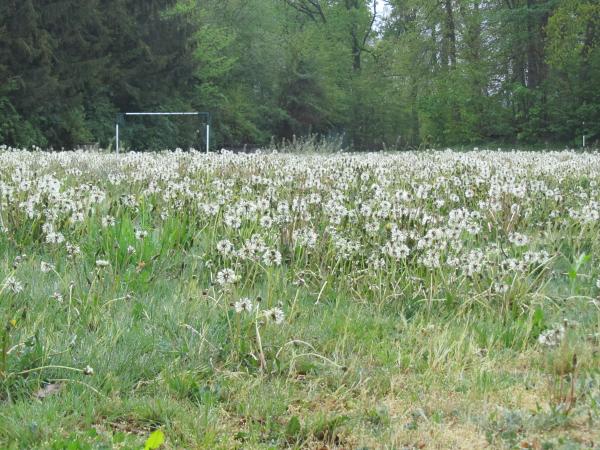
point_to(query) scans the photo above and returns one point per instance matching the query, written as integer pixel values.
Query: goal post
(120, 121)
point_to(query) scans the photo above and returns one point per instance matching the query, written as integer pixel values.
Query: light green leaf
(155, 440)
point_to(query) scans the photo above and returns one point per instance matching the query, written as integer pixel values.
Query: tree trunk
(536, 66)
(449, 36)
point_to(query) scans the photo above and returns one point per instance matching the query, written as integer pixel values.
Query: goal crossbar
(204, 114)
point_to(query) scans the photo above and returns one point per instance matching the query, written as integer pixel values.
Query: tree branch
(371, 24)
(312, 8)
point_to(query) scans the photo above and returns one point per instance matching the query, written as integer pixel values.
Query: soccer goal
(203, 117)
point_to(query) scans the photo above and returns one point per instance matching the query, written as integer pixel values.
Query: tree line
(419, 73)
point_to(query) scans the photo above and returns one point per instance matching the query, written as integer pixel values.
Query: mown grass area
(149, 292)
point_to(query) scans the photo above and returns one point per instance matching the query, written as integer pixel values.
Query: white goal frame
(121, 117)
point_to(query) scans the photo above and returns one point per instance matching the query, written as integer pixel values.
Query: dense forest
(420, 73)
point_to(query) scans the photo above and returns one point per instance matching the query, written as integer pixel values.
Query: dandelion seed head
(275, 315)
(226, 277)
(243, 305)
(13, 285)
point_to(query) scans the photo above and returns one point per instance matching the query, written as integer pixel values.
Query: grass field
(404, 301)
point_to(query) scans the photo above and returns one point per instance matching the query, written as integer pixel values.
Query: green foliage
(293, 428)
(429, 73)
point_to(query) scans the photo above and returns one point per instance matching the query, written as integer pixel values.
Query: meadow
(414, 300)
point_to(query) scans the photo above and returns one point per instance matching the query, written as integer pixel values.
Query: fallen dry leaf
(48, 390)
